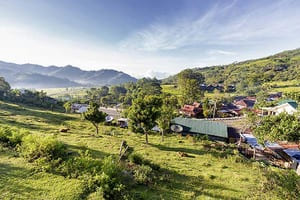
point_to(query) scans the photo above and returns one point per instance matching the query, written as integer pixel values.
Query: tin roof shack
(214, 130)
(123, 122)
(283, 159)
(295, 155)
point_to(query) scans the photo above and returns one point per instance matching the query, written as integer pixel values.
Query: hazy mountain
(37, 76)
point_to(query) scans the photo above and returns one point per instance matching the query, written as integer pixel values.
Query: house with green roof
(213, 129)
(289, 106)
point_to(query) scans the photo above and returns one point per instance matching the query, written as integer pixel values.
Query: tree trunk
(97, 128)
(146, 134)
(162, 135)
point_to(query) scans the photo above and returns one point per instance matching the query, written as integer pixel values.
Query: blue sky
(146, 37)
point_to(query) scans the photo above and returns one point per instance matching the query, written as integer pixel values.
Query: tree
(207, 108)
(117, 92)
(167, 113)
(144, 112)
(148, 86)
(94, 94)
(4, 87)
(189, 83)
(143, 87)
(94, 115)
(68, 106)
(278, 127)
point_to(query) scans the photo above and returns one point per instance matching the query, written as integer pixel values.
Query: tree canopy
(282, 127)
(168, 111)
(4, 86)
(143, 113)
(189, 83)
(94, 115)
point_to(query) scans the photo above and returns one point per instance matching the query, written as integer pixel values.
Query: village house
(289, 106)
(275, 96)
(191, 110)
(229, 110)
(79, 108)
(245, 103)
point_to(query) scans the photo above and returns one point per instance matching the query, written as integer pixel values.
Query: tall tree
(168, 111)
(144, 112)
(189, 83)
(4, 86)
(67, 106)
(94, 115)
(148, 86)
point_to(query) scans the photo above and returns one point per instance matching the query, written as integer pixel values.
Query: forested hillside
(280, 67)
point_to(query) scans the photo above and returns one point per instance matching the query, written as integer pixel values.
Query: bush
(143, 174)
(12, 137)
(139, 160)
(135, 158)
(5, 133)
(112, 184)
(35, 147)
(17, 136)
(79, 166)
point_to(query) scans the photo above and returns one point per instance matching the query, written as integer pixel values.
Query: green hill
(283, 66)
(210, 171)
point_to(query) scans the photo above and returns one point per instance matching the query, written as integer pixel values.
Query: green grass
(74, 92)
(284, 86)
(170, 89)
(206, 174)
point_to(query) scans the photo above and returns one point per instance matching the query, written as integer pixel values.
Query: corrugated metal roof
(213, 128)
(289, 101)
(252, 141)
(294, 153)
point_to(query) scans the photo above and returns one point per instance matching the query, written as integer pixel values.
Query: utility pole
(215, 105)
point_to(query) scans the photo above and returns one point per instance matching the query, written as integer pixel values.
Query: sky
(146, 37)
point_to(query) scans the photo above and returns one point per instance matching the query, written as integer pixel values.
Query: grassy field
(170, 89)
(208, 173)
(285, 86)
(63, 92)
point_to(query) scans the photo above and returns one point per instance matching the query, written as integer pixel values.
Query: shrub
(81, 165)
(143, 174)
(112, 184)
(17, 136)
(34, 147)
(135, 158)
(139, 160)
(12, 137)
(5, 133)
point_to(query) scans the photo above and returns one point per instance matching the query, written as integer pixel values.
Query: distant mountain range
(37, 76)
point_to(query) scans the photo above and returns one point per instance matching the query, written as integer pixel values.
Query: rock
(64, 130)
(182, 154)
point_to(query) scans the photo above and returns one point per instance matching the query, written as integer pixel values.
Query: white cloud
(221, 52)
(220, 25)
(218, 36)
(22, 45)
